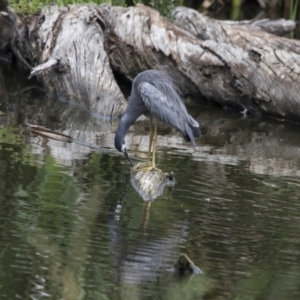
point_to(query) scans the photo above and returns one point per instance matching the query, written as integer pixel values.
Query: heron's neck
(126, 121)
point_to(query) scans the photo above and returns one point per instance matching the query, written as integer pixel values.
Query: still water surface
(73, 227)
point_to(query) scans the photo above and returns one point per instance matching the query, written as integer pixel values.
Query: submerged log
(150, 185)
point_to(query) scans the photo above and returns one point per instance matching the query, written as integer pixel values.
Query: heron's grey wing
(167, 109)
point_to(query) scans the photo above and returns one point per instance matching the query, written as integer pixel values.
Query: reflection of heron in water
(157, 96)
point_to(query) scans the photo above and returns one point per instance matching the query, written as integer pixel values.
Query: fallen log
(66, 45)
(278, 27)
(242, 34)
(260, 80)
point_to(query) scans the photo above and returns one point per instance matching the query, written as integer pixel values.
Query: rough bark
(262, 80)
(278, 27)
(242, 68)
(67, 47)
(200, 25)
(139, 38)
(239, 34)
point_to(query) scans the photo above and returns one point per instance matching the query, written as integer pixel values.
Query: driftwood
(278, 27)
(150, 185)
(206, 28)
(262, 80)
(243, 68)
(238, 66)
(242, 34)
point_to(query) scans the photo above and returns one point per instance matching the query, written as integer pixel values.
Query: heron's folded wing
(165, 106)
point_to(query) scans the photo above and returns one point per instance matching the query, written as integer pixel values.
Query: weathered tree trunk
(278, 27)
(205, 27)
(243, 68)
(262, 80)
(67, 47)
(243, 34)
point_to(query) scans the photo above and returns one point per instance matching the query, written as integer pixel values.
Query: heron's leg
(154, 145)
(151, 166)
(150, 141)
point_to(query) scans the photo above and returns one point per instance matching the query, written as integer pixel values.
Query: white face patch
(123, 148)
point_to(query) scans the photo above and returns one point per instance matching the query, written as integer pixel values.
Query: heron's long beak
(127, 156)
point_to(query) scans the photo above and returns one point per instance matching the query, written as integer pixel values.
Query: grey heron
(157, 96)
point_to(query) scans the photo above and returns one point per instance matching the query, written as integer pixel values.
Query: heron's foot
(145, 168)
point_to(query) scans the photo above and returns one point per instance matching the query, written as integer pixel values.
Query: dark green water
(72, 227)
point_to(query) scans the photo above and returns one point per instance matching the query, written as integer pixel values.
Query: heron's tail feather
(192, 122)
(196, 131)
(191, 133)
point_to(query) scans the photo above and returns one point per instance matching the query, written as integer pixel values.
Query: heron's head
(120, 146)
